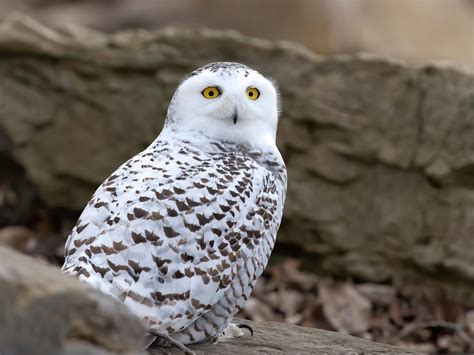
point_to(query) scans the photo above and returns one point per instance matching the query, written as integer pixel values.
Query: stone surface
(380, 154)
(43, 311)
(280, 338)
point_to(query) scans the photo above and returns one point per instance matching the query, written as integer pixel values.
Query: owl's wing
(170, 230)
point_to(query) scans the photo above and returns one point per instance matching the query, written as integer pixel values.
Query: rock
(325, 26)
(280, 338)
(43, 311)
(379, 154)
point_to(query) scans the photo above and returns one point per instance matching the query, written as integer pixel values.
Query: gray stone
(280, 338)
(43, 311)
(379, 154)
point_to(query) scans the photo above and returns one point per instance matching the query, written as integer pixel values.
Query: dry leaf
(17, 237)
(345, 308)
(378, 294)
(290, 301)
(470, 320)
(259, 311)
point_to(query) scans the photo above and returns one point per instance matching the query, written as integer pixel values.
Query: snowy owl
(181, 232)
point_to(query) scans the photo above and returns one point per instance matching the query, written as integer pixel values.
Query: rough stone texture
(280, 338)
(380, 155)
(43, 311)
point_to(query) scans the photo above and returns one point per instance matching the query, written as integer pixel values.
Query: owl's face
(227, 101)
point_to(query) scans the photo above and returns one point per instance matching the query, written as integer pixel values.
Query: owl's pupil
(250, 93)
(211, 93)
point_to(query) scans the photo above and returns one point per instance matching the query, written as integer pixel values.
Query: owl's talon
(170, 341)
(245, 326)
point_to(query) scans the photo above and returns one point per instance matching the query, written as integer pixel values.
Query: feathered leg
(165, 340)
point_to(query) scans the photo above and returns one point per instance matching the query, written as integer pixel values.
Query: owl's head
(226, 101)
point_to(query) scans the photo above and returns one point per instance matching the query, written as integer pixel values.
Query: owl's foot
(245, 326)
(235, 331)
(164, 340)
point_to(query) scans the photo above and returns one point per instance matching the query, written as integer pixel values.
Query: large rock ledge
(43, 311)
(379, 154)
(280, 338)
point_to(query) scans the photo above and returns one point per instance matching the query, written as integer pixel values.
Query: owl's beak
(235, 116)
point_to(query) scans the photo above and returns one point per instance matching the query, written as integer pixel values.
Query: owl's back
(181, 232)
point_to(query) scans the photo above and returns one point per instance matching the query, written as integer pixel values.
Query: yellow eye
(252, 93)
(211, 92)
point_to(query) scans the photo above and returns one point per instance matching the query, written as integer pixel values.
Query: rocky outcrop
(43, 311)
(280, 338)
(380, 155)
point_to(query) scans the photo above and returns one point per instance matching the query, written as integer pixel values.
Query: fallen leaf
(470, 320)
(290, 301)
(377, 294)
(17, 237)
(344, 307)
(258, 311)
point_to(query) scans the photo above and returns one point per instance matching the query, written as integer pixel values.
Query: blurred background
(413, 30)
(422, 317)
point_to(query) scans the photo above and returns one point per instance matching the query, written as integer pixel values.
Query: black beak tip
(234, 118)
